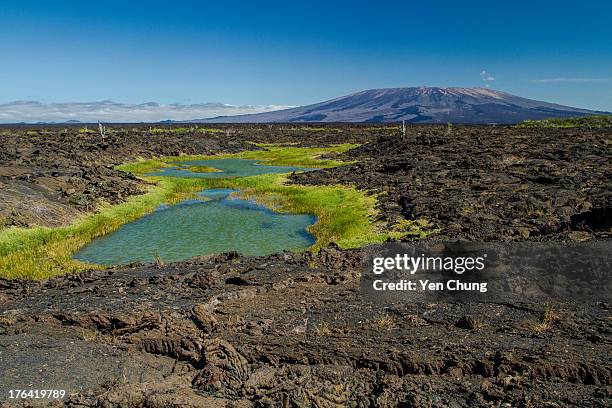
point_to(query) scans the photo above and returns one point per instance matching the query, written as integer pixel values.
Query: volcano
(416, 105)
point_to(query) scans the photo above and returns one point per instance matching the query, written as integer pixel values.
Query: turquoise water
(216, 223)
(229, 167)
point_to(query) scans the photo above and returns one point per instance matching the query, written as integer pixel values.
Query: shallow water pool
(228, 167)
(216, 223)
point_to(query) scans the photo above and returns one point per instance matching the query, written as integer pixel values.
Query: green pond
(228, 167)
(216, 222)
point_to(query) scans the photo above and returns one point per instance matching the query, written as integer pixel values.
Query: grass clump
(344, 214)
(418, 229)
(323, 329)
(545, 323)
(143, 166)
(272, 155)
(202, 169)
(318, 129)
(210, 130)
(42, 252)
(296, 156)
(169, 130)
(385, 322)
(185, 130)
(592, 121)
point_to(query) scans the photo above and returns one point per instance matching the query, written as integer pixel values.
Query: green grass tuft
(269, 154)
(42, 252)
(201, 169)
(185, 130)
(593, 121)
(344, 214)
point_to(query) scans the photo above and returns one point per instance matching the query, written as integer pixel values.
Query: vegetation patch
(417, 229)
(42, 252)
(210, 130)
(593, 121)
(144, 166)
(185, 130)
(169, 130)
(344, 214)
(296, 156)
(272, 155)
(317, 129)
(202, 169)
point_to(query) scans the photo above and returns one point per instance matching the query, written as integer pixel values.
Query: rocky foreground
(292, 329)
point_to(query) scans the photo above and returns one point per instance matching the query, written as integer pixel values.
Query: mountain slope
(416, 105)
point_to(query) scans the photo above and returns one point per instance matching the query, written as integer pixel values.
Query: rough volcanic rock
(487, 183)
(292, 329)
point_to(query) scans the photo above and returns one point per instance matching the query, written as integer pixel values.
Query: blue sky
(295, 53)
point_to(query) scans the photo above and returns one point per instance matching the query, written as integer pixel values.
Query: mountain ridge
(416, 105)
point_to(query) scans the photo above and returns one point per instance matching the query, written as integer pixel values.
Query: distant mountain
(115, 112)
(416, 105)
(61, 122)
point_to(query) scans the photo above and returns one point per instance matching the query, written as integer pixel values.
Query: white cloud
(108, 111)
(486, 76)
(569, 80)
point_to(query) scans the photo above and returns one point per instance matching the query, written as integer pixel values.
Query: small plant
(159, 262)
(176, 130)
(386, 322)
(323, 329)
(313, 264)
(81, 199)
(550, 315)
(89, 335)
(419, 228)
(415, 320)
(7, 320)
(546, 322)
(209, 130)
(203, 169)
